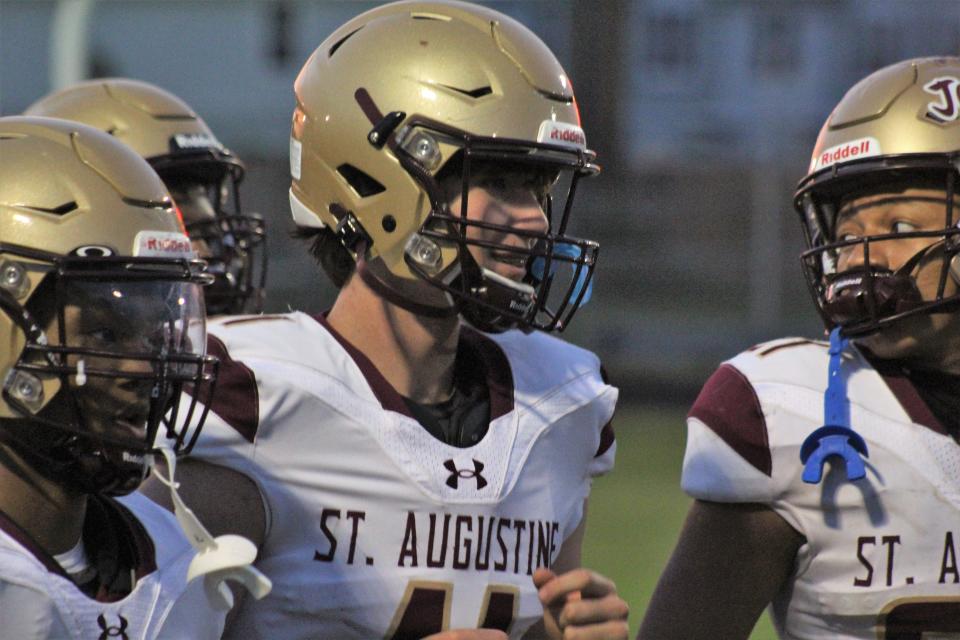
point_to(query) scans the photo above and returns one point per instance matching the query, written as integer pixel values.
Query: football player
(825, 475)
(102, 327)
(200, 173)
(418, 459)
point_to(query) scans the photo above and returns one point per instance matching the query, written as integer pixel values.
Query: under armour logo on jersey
(947, 108)
(455, 474)
(109, 631)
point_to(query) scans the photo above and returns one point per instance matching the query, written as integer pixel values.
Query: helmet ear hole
(362, 183)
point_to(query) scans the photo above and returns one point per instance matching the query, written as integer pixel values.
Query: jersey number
(911, 619)
(425, 609)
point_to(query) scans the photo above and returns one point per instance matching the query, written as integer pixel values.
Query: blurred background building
(703, 113)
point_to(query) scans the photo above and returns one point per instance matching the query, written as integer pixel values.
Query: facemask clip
(425, 252)
(13, 278)
(380, 133)
(26, 388)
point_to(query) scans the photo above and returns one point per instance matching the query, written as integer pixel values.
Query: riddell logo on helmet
(195, 141)
(132, 457)
(569, 135)
(853, 150)
(162, 244)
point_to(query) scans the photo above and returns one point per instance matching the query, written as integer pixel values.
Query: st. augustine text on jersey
(878, 554)
(448, 540)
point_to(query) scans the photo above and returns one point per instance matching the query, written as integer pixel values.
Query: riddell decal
(568, 135)
(162, 244)
(195, 141)
(853, 150)
(947, 108)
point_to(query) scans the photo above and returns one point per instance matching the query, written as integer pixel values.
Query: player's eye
(902, 226)
(538, 186)
(492, 183)
(847, 234)
(102, 335)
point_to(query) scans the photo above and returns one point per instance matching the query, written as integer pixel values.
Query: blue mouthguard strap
(835, 438)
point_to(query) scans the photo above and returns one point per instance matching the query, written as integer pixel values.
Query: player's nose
(866, 253)
(527, 215)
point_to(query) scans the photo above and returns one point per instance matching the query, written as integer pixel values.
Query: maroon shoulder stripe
(906, 394)
(912, 403)
(729, 405)
(607, 436)
(12, 529)
(385, 393)
(236, 398)
(766, 349)
(146, 553)
(606, 439)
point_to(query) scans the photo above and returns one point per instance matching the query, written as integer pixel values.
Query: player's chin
(889, 344)
(914, 338)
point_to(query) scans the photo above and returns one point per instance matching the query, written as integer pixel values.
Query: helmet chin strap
(836, 439)
(490, 294)
(226, 558)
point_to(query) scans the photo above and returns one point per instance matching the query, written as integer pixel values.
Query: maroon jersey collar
(905, 392)
(116, 542)
(499, 375)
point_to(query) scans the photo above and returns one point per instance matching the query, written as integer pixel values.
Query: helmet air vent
(422, 15)
(60, 210)
(175, 117)
(479, 92)
(362, 183)
(340, 42)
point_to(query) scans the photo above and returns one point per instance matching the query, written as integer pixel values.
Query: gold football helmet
(101, 311)
(896, 128)
(201, 173)
(405, 100)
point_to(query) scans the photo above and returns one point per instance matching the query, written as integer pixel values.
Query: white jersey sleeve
(38, 600)
(879, 557)
(728, 456)
(378, 529)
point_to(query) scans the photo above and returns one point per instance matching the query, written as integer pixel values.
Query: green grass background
(636, 512)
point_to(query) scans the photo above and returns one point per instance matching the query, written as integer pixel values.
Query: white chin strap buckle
(225, 558)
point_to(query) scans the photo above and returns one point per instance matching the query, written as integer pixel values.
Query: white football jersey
(375, 528)
(882, 555)
(38, 600)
